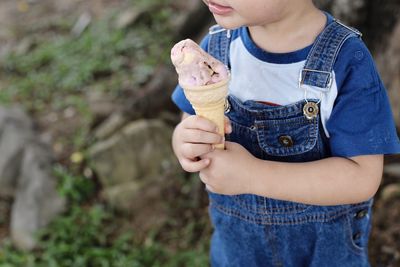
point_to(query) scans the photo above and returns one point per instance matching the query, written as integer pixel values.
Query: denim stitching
(289, 209)
(219, 44)
(293, 220)
(327, 46)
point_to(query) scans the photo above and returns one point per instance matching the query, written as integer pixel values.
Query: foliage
(54, 74)
(76, 189)
(90, 235)
(66, 65)
(83, 239)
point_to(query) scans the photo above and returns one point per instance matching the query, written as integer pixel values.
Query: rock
(392, 170)
(37, 202)
(134, 196)
(127, 18)
(137, 169)
(16, 130)
(113, 123)
(140, 149)
(15, 115)
(81, 24)
(122, 196)
(390, 191)
(26, 175)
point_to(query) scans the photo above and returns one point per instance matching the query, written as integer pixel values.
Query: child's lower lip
(218, 9)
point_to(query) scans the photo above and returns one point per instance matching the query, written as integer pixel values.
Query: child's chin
(227, 23)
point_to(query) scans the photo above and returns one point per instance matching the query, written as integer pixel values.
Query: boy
(309, 123)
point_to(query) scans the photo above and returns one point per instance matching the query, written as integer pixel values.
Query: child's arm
(330, 181)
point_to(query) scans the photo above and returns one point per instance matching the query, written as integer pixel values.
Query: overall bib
(251, 230)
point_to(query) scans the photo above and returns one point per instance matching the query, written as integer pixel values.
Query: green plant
(85, 238)
(76, 189)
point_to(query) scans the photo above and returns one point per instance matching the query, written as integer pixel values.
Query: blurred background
(87, 174)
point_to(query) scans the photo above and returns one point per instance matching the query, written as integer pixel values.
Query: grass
(66, 65)
(83, 238)
(90, 235)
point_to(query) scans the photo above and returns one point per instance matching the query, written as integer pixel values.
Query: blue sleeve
(361, 122)
(178, 96)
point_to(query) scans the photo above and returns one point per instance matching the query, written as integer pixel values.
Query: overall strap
(318, 69)
(219, 43)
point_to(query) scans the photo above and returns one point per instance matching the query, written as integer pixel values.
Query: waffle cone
(208, 101)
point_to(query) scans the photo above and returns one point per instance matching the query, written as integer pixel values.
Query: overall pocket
(288, 137)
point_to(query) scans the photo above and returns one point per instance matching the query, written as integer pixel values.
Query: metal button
(227, 106)
(361, 214)
(253, 128)
(310, 110)
(286, 141)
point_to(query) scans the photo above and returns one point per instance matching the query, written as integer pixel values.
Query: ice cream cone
(208, 101)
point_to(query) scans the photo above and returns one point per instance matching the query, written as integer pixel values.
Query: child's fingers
(201, 137)
(197, 122)
(192, 151)
(228, 125)
(194, 166)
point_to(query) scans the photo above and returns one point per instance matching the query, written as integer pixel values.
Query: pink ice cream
(196, 67)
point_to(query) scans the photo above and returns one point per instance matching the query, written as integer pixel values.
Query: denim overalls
(251, 230)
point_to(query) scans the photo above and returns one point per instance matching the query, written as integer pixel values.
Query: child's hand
(229, 171)
(194, 137)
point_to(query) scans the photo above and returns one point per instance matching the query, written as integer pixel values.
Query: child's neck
(291, 33)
